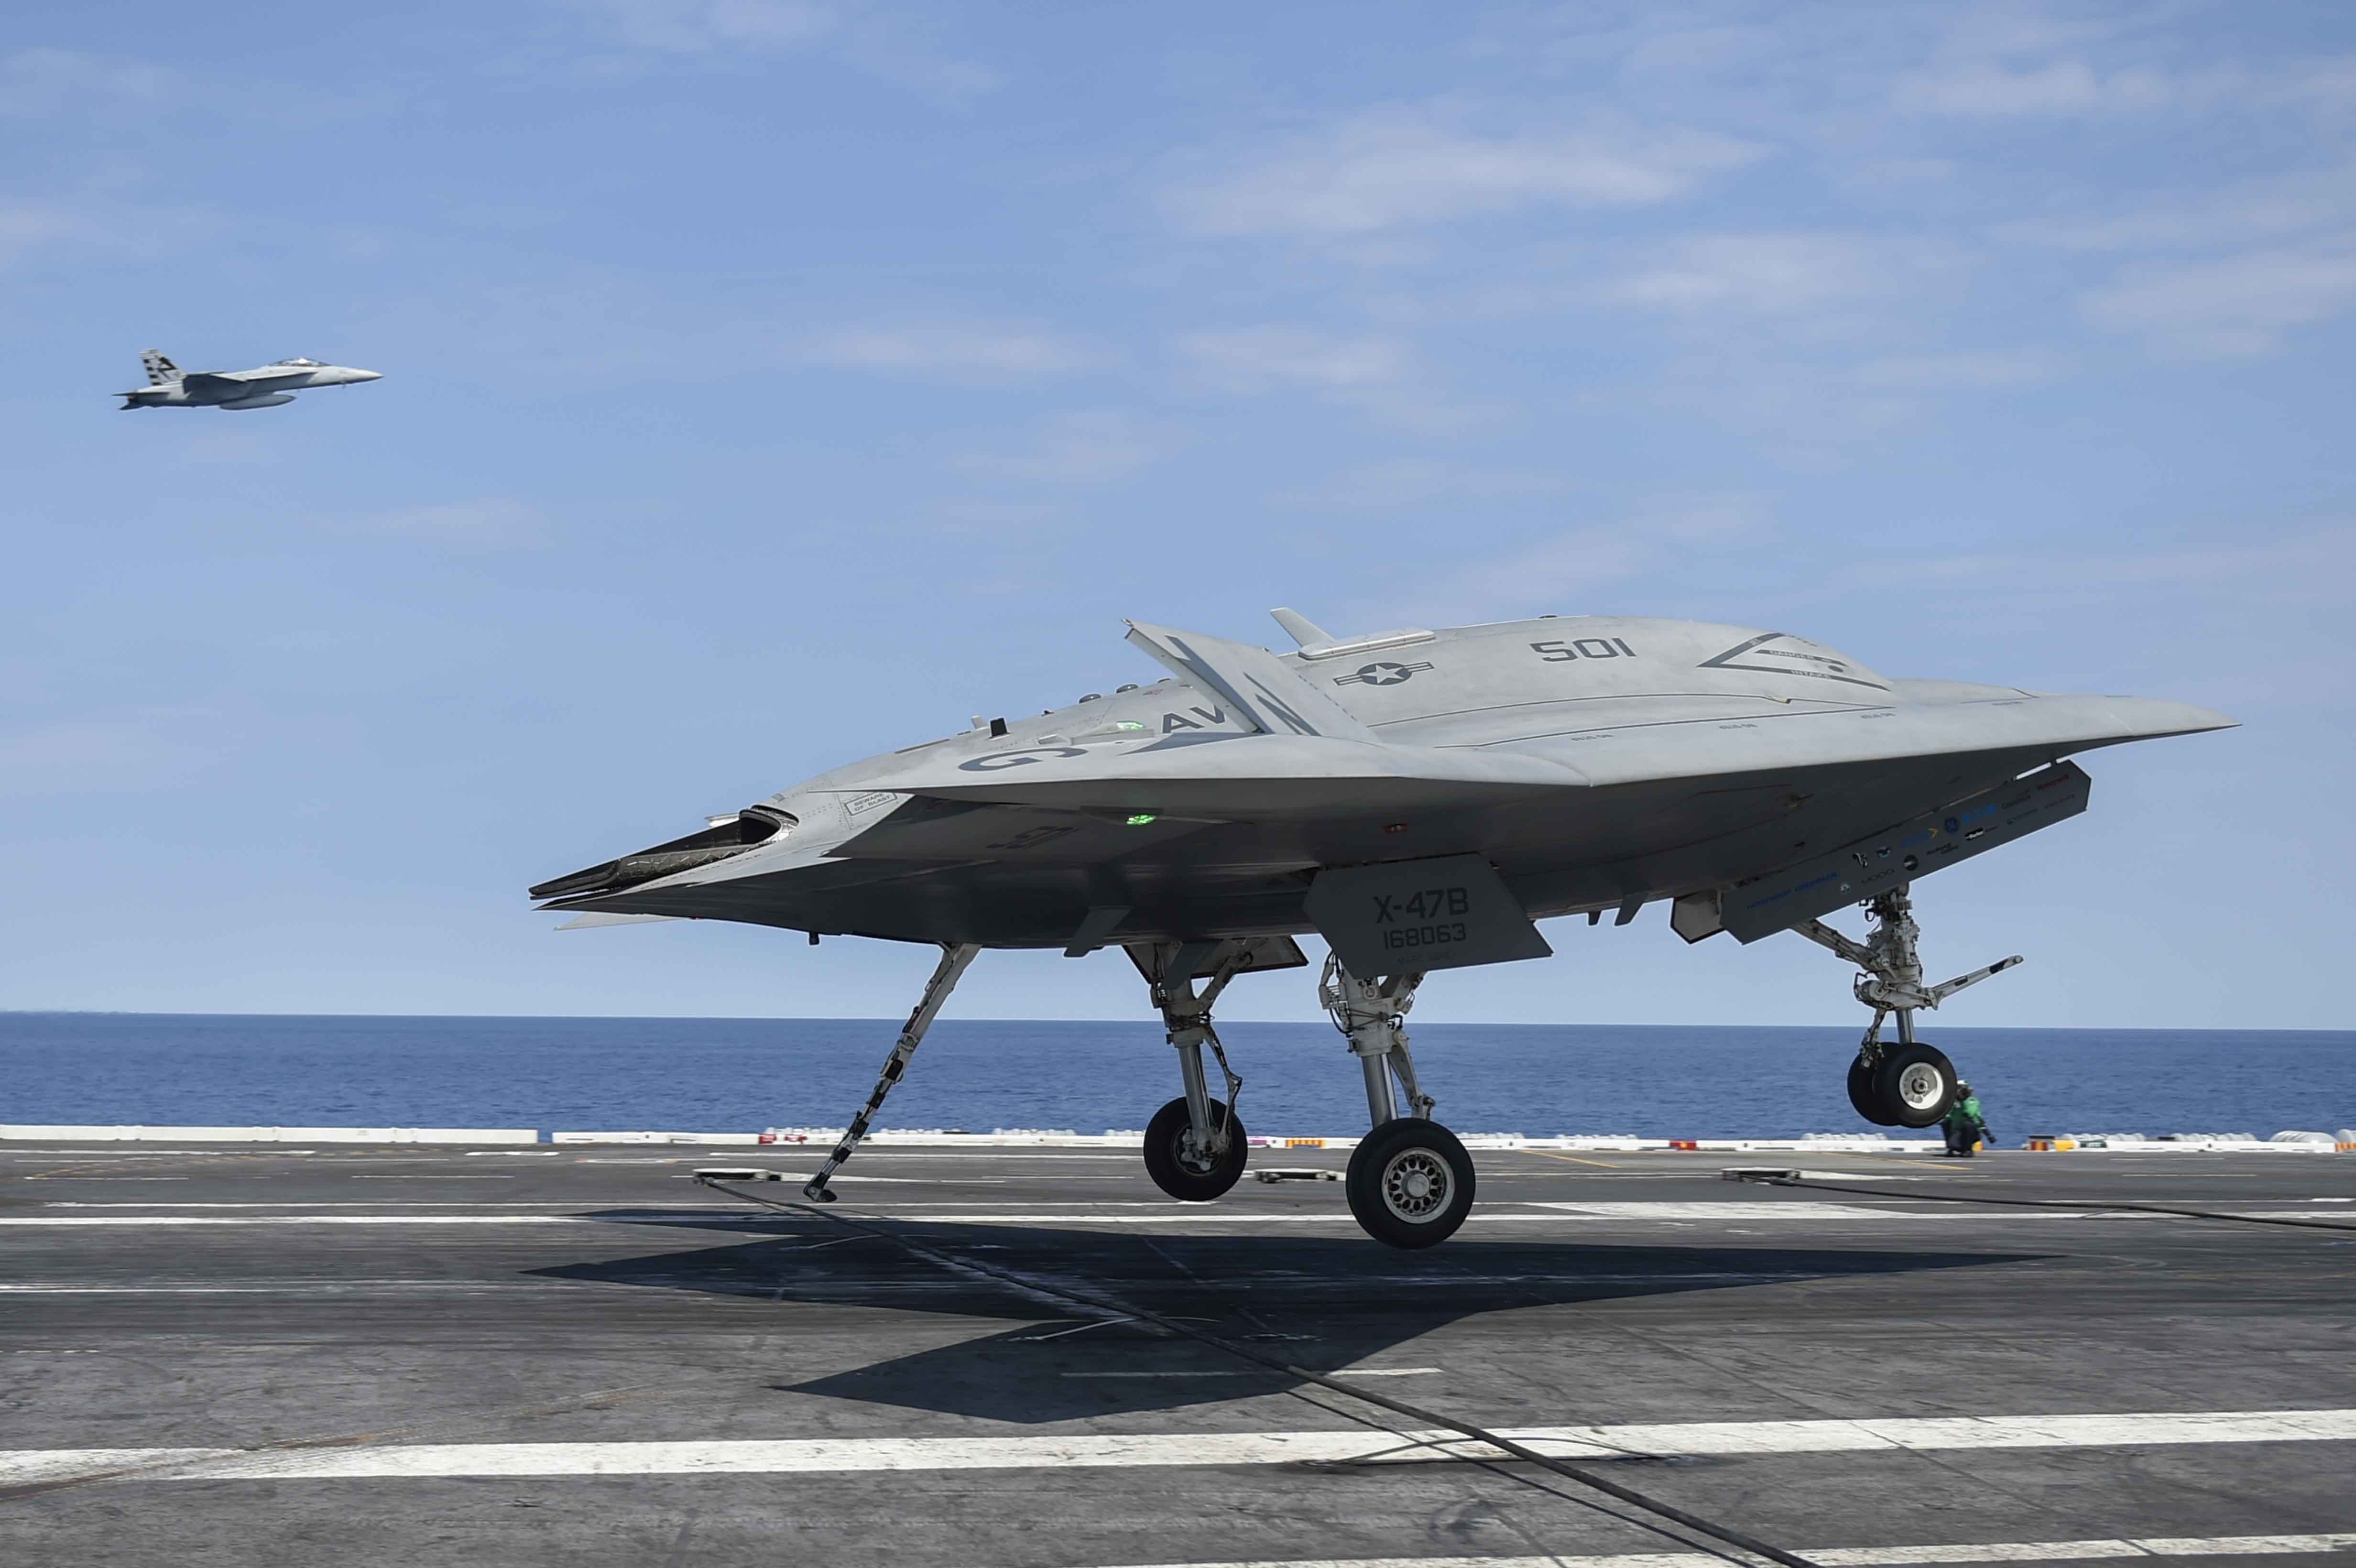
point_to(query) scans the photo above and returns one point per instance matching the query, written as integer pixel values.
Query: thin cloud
(953, 351)
(1271, 359)
(2060, 87)
(97, 756)
(879, 40)
(2238, 307)
(40, 83)
(701, 27)
(1787, 274)
(1404, 483)
(1563, 572)
(2264, 207)
(1087, 447)
(2030, 61)
(27, 226)
(487, 525)
(1388, 169)
(1968, 371)
(49, 233)
(1375, 374)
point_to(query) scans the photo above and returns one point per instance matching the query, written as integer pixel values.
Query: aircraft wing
(245, 380)
(2049, 727)
(1279, 775)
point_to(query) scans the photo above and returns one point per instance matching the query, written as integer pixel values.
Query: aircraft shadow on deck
(1322, 1303)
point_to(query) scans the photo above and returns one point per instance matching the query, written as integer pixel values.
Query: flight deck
(359, 1355)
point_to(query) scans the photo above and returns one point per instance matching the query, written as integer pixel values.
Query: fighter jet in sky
(168, 387)
(1418, 799)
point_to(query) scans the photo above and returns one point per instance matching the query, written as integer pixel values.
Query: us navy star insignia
(1381, 674)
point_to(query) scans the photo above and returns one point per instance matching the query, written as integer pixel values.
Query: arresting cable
(1795, 1179)
(1568, 1470)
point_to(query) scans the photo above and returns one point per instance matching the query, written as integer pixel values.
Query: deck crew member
(1965, 1127)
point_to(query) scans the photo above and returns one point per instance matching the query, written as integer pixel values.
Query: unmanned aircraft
(1418, 799)
(266, 387)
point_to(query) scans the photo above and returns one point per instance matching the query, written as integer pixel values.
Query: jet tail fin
(1303, 630)
(160, 371)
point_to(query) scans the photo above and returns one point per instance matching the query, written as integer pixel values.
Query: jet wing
(1279, 775)
(245, 380)
(2047, 727)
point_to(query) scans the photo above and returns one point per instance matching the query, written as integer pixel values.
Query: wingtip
(2147, 718)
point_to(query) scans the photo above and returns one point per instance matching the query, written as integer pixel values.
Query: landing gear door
(1175, 963)
(1902, 854)
(1418, 915)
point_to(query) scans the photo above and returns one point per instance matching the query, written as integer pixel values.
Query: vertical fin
(161, 372)
(1299, 627)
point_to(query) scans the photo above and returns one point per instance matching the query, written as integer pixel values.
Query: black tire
(1915, 1085)
(1410, 1183)
(1185, 1180)
(1861, 1095)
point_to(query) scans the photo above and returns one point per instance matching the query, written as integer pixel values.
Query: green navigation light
(1139, 818)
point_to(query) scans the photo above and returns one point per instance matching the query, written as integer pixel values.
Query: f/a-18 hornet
(1419, 800)
(265, 387)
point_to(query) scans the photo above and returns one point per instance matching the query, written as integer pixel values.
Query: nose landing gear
(1908, 1084)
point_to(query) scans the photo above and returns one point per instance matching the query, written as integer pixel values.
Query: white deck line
(850, 1455)
(1226, 1218)
(1869, 1556)
(694, 1217)
(1161, 1215)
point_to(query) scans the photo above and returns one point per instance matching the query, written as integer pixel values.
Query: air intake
(754, 825)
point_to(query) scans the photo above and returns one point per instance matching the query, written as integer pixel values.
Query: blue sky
(768, 384)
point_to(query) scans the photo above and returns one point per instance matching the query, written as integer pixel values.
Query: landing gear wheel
(1172, 1161)
(1862, 1096)
(1915, 1085)
(1410, 1183)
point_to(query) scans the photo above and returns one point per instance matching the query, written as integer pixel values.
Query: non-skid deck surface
(405, 1356)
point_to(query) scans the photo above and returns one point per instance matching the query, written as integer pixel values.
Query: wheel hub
(1920, 1086)
(1414, 1185)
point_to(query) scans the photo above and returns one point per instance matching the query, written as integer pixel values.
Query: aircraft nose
(368, 375)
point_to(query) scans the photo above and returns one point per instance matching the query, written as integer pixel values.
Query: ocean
(743, 1074)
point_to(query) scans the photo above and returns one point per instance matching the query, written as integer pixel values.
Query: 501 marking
(1584, 648)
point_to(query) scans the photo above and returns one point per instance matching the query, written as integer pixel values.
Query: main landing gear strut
(1909, 1083)
(1411, 1181)
(1194, 1146)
